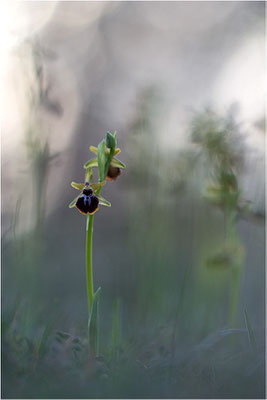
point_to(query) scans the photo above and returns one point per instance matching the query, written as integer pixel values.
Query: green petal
(103, 201)
(117, 163)
(91, 163)
(117, 151)
(96, 186)
(78, 186)
(93, 149)
(72, 204)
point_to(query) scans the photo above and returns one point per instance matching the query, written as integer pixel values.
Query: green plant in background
(87, 202)
(217, 139)
(152, 246)
(35, 160)
(36, 137)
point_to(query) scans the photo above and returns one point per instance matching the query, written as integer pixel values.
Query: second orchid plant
(87, 203)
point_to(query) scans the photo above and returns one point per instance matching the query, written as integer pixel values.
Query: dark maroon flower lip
(89, 198)
(87, 203)
(113, 173)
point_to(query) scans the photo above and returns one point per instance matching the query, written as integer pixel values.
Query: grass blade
(93, 324)
(251, 335)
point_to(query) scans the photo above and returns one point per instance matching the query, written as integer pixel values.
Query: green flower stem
(89, 260)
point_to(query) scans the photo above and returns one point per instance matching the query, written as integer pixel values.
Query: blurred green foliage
(167, 287)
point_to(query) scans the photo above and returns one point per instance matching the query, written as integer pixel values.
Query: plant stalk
(89, 260)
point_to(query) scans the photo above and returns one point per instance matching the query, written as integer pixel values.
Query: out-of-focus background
(183, 85)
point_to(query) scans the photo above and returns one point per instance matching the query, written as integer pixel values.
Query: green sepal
(117, 151)
(91, 163)
(103, 201)
(78, 186)
(101, 158)
(110, 141)
(117, 163)
(96, 186)
(72, 204)
(93, 149)
(93, 324)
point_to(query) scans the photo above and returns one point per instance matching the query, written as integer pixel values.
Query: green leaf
(103, 201)
(251, 335)
(117, 163)
(91, 163)
(101, 158)
(72, 204)
(93, 324)
(110, 141)
(78, 186)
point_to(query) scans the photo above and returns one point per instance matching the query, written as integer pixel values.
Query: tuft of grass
(251, 336)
